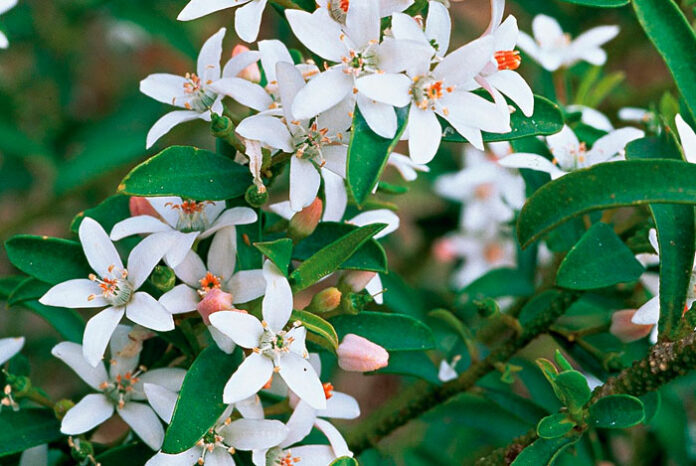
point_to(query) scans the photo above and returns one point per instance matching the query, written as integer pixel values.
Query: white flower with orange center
(121, 389)
(480, 254)
(338, 9)
(569, 154)
(114, 287)
(553, 48)
(5, 5)
(186, 221)
(247, 19)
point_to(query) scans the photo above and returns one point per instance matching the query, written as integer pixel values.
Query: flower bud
(20, 384)
(487, 307)
(251, 72)
(255, 197)
(141, 206)
(163, 278)
(444, 250)
(303, 223)
(624, 329)
(325, 301)
(358, 279)
(62, 407)
(215, 300)
(80, 449)
(358, 354)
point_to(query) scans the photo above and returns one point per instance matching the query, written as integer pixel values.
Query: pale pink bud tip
(251, 72)
(303, 223)
(358, 354)
(358, 279)
(444, 250)
(624, 329)
(141, 206)
(215, 300)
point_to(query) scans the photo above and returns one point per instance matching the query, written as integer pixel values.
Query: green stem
(287, 4)
(35, 396)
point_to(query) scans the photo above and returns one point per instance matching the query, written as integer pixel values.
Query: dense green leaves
(603, 186)
(130, 453)
(51, 260)
(200, 401)
(413, 363)
(495, 284)
(672, 35)
(370, 256)
(572, 389)
(394, 332)
(616, 412)
(278, 251)
(30, 288)
(543, 451)
(108, 213)
(554, 425)
(322, 329)
(599, 3)
(547, 119)
(368, 154)
(598, 260)
(330, 257)
(344, 461)
(67, 322)
(187, 172)
(27, 428)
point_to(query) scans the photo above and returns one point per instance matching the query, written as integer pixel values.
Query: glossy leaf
(543, 452)
(329, 258)
(497, 283)
(200, 401)
(67, 322)
(318, 326)
(51, 260)
(370, 256)
(278, 251)
(344, 461)
(187, 172)
(616, 412)
(131, 453)
(108, 213)
(598, 260)
(604, 186)
(27, 428)
(670, 32)
(547, 119)
(368, 154)
(393, 332)
(599, 3)
(30, 288)
(411, 363)
(572, 389)
(554, 425)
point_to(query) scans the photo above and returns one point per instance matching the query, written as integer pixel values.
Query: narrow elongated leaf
(598, 260)
(200, 401)
(616, 412)
(132, 453)
(547, 119)
(670, 32)
(318, 326)
(543, 452)
(393, 332)
(278, 251)
(370, 256)
(187, 172)
(599, 3)
(368, 154)
(30, 288)
(27, 428)
(51, 260)
(605, 186)
(330, 257)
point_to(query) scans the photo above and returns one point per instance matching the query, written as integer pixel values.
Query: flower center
(115, 288)
(120, 388)
(338, 10)
(328, 389)
(209, 282)
(192, 215)
(579, 157)
(360, 62)
(427, 91)
(308, 144)
(278, 457)
(199, 98)
(272, 344)
(212, 440)
(493, 253)
(484, 191)
(508, 59)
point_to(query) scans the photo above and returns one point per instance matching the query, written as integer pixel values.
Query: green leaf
(278, 251)
(562, 361)
(572, 389)
(604, 186)
(598, 260)
(318, 326)
(599, 3)
(30, 288)
(495, 284)
(200, 401)
(652, 401)
(187, 172)
(67, 322)
(393, 332)
(51, 260)
(616, 412)
(330, 257)
(555, 425)
(543, 452)
(9, 283)
(670, 32)
(132, 453)
(344, 461)
(411, 363)
(26, 428)
(548, 369)
(547, 119)
(368, 154)
(370, 256)
(108, 213)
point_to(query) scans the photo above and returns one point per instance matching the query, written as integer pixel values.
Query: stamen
(508, 59)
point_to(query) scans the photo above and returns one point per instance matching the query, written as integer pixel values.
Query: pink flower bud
(251, 72)
(303, 223)
(215, 300)
(624, 329)
(325, 301)
(358, 280)
(444, 251)
(141, 206)
(358, 354)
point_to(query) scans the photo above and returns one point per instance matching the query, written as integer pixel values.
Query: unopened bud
(444, 250)
(357, 280)
(304, 222)
(163, 278)
(62, 407)
(141, 206)
(624, 329)
(325, 301)
(215, 300)
(80, 449)
(221, 126)
(251, 72)
(487, 307)
(358, 354)
(256, 196)
(20, 384)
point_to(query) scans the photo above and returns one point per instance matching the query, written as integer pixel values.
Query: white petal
(595, 37)
(267, 129)
(162, 401)
(238, 63)
(247, 20)
(6, 5)
(250, 408)
(123, 357)
(141, 224)
(378, 216)
(191, 270)
(612, 144)
(507, 34)
(314, 455)
(182, 244)
(146, 255)
(253, 434)
(277, 302)
(185, 458)
(180, 299)
(74, 294)
(219, 457)
(304, 183)
(91, 411)
(405, 27)
(9, 347)
(144, 310)
(515, 87)
(34, 456)
(340, 406)
(438, 26)
(425, 133)
(225, 343)
(318, 32)
(99, 250)
(283, 209)
(230, 218)
(406, 167)
(531, 161)
(167, 122)
(244, 329)
(171, 378)
(387, 7)
(208, 65)
(321, 93)
(4, 43)
(469, 109)
(299, 374)
(165, 88)
(245, 92)
(466, 62)
(546, 30)
(375, 289)
(335, 196)
(648, 313)
(397, 55)
(688, 139)
(222, 254)
(98, 332)
(246, 285)
(497, 11)
(251, 375)
(338, 443)
(198, 8)
(290, 82)
(335, 156)
(144, 422)
(71, 354)
(272, 53)
(362, 22)
(300, 424)
(388, 88)
(564, 146)
(381, 118)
